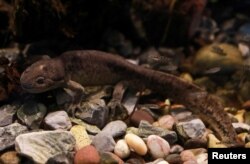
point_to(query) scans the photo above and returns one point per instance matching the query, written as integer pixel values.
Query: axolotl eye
(40, 80)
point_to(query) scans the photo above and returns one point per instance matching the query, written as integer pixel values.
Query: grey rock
(6, 114)
(31, 114)
(103, 142)
(115, 128)
(241, 127)
(41, 146)
(194, 128)
(58, 120)
(94, 112)
(146, 129)
(61, 158)
(9, 133)
(174, 158)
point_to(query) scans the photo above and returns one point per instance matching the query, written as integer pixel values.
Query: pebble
(241, 127)
(94, 112)
(194, 128)
(179, 112)
(81, 136)
(32, 114)
(140, 115)
(145, 129)
(174, 159)
(158, 147)
(7, 113)
(88, 155)
(196, 142)
(103, 142)
(190, 162)
(121, 149)
(10, 157)
(136, 144)
(115, 128)
(92, 129)
(213, 142)
(247, 145)
(187, 155)
(61, 158)
(9, 133)
(202, 158)
(40, 146)
(166, 122)
(133, 130)
(58, 120)
(108, 158)
(198, 151)
(176, 149)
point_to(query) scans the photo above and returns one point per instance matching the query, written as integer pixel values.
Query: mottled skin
(75, 69)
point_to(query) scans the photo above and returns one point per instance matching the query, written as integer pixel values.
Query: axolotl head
(42, 76)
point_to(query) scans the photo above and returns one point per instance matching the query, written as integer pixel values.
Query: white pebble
(158, 147)
(121, 149)
(136, 144)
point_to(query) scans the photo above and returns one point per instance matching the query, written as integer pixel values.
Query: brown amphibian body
(75, 69)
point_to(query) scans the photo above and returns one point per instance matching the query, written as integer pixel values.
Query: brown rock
(9, 157)
(174, 159)
(139, 115)
(87, 154)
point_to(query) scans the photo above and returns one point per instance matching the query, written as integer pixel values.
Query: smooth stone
(140, 115)
(88, 155)
(94, 112)
(133, 130)
(213, 142)
(61, 158)
(179, 112)
(196, 143)
(81, 136)
(166, 122)
(108, 158)
(103, 142)
(115, 128)
(190, 162)
(176, 149)
(92, 129)
(158, 147)
(202, 158)
(174, 159)
(241, 127)
(40, 146)
(162, 162)
(198, 151)
(135, 161)
(121, 149)
(7, 113)
(145, 129)
(247, 145)
(194, 128)
(58, 120)
(187, 155)
(32, 114)
(136, 143)
(9, 133)
(10, 157)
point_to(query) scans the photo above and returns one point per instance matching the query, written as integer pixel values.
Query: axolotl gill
(74, 69)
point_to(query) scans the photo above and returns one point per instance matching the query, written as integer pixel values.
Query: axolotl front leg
(77, 93)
